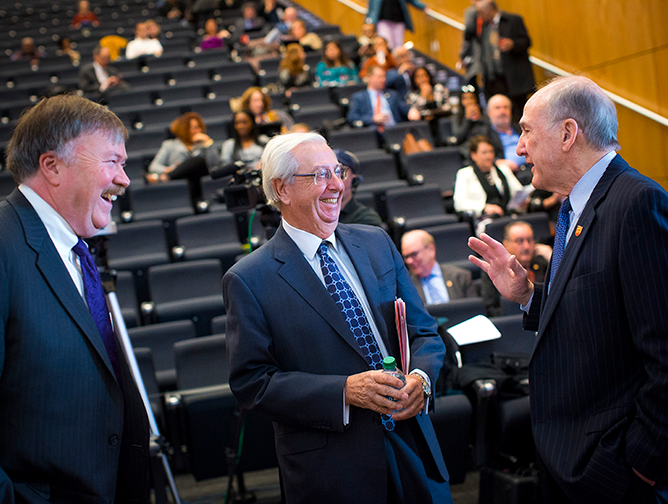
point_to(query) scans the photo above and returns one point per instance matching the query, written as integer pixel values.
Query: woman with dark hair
(425, 95)
(292, 71)
(65, 47)
(213, 37)
(259, 104)
(190, 155)
(335, 69)
(484, 189)
(247, 144)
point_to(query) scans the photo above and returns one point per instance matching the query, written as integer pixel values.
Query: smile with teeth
(109, 197)
(331, 201)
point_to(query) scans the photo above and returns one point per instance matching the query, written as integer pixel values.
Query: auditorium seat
(451, 242)
(160, 338)
(188, 290)
(438, 166)
(417, 207)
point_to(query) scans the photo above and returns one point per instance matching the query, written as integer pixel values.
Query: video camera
(244, 191)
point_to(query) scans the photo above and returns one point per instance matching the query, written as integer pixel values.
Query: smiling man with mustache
(72, 425)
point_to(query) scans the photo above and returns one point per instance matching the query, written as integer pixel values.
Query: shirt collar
(585, 186)
(308, 243)
(60, 232)
(435, 271)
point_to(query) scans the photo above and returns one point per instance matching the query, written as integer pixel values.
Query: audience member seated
(365, 42)
(190, 155)
(300, 128)
(172, 9)
(299, 33)
(247, 144)
(436, 283)
(98, 79)
(213, 37)
(268, 47)
(271, 12)
(484, 189)
(378, 106)
(473, 124)
(28, 52)
(518, 239)
(467, 97)
(428, 97)
(352, 211)
(84, 16)
(293, 73)
(142, 45)
(65, 47)
(259, 103)
(335, 69)
(282, 28)
(399, 78)
(249, 22)
(382, 58)
(153, 29)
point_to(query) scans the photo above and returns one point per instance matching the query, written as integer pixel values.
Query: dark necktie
(97, 303)
(563, 221)
(347, 301)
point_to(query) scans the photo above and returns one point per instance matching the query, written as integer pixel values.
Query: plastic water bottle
(390, 367)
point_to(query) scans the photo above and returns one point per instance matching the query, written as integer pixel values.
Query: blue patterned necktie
(97, 303)
(345, 299)
(563, 221)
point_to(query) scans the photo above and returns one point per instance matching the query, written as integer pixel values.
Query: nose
(521, 146)
(121, 177)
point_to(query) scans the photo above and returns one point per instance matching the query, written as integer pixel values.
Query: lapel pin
(578, 230)
(449, 283)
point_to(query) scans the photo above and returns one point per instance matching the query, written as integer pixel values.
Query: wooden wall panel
(622, 45)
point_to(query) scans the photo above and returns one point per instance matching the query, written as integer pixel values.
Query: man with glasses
(518, 239)
(436, 283)
(310, 317)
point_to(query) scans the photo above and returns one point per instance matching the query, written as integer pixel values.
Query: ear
(280, 188)
(50, 167)
(569, 133)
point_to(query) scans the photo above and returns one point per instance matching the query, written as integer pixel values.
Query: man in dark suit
(599, 371)
(378, 106)
(72, 424)
(313, 368)
(504, 43)
(98, 79)
(435, 283)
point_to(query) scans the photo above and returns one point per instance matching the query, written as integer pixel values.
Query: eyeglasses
(414, 254)
(324, 175)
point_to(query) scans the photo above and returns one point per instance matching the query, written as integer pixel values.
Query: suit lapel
(297, 272)
(576, 242)
(55, 274)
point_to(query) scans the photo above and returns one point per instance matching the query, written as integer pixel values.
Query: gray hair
(279, 162)
(51, 125)
(580, 99)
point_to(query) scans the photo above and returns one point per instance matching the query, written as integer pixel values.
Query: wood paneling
(621, 45)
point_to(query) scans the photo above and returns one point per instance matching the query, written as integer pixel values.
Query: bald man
(436, 283)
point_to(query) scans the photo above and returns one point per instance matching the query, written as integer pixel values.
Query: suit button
(113, 440)
(377, 420)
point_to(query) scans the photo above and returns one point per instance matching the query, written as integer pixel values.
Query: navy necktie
(347, 301)
(563, 221)
(97, 303)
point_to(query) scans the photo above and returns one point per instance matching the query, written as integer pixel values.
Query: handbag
(414, 142)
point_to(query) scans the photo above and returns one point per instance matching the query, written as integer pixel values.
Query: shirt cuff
(426, 377)
(346, 410)
(525, 308)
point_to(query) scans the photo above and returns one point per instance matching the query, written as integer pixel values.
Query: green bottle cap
(389, 363)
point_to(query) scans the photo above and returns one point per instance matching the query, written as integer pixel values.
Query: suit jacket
(599, 371)
(361, 108)
(516, 65)
(88, 82)
(458, 282)
(67, 432)
(291, 350)
(373, 11)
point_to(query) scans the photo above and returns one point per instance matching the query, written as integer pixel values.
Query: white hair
(279, 162)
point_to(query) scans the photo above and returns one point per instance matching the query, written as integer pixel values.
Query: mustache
(116, 190)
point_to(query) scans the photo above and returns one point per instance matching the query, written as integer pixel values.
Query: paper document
(474, 330)
(520, 197)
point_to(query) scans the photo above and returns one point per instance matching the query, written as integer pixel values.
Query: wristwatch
(425, 386)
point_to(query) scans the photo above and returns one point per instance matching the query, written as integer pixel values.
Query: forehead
(311, 155)
(533, 111)
(99, 143)
(520, 230)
